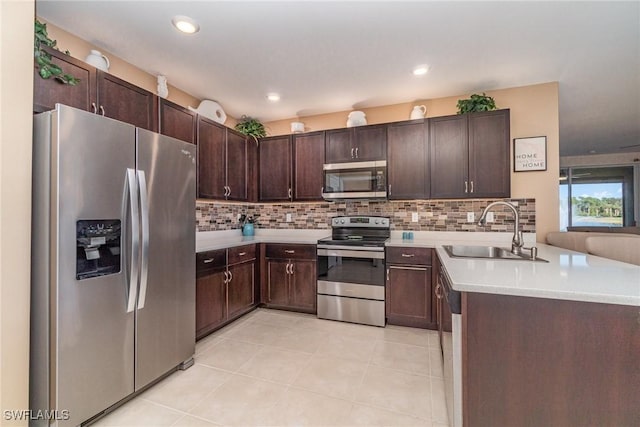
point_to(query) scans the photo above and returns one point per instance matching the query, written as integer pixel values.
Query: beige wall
(79, 48)
(16, 106)
(534, 112)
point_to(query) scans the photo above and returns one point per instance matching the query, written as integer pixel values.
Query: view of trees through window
(596, 197)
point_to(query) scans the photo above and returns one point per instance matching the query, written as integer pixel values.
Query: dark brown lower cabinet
(210, 302)
(224, 291)
(543, 362)
(240, 288)
(290, 283)
(409, 293)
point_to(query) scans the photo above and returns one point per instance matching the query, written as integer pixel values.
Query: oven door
(357, 180)
(351, 285)
(345, 264)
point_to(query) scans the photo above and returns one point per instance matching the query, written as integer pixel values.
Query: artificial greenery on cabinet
(476, 103)
(46, 68)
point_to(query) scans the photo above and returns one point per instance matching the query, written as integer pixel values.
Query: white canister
(297, 127)
(418, 112)
(98, 60)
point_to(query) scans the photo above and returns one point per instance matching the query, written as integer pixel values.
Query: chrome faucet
(517, 242)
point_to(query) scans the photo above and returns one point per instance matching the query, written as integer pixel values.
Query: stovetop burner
(358, 231)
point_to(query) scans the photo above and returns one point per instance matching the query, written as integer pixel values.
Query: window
(597, 197)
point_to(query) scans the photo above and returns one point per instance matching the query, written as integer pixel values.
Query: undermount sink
(486, 252)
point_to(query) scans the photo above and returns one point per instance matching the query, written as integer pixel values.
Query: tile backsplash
(433, 215)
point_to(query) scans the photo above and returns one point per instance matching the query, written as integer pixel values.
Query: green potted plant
(476, 103)
(251, 127)
(46, 68)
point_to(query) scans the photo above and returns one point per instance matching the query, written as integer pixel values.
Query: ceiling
(333, 56)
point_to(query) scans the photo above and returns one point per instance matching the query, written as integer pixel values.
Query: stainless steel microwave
(355, 180)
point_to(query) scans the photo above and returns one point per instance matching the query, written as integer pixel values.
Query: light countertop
(568, 275)
(211, 240)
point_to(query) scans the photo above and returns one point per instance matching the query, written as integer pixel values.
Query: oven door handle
(351, 253)
(352, 248)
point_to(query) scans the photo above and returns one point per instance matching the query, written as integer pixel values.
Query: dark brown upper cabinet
(48, 92)
(469, 155)
(291, 167)
(222, 162)
(308, 152)
(275, 154)
(356, 144)
(177, 122)
(98, 92)
(408, 160)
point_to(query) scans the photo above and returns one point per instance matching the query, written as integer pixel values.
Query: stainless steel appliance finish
(113, 261)
(355, 180)
(451, 342)
(351, 281)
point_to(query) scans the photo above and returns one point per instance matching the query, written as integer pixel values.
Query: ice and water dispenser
(99, 243)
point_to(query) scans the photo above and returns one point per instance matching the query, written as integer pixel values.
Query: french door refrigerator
(113, 262)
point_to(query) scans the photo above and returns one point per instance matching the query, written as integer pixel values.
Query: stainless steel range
(351, 274)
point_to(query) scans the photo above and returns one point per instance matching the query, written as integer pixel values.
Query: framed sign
(530, 154)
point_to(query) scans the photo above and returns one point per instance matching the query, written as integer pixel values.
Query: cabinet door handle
(287, 268)
(292, 265)
(321, 191)
(226, 278)
(408, 255)
(102, 110)
(466, 187)
(290, 193)
(242, 254)
(389, 189)
(387, 274)
(208, 260)
(289, 251)
(229, 188)
(356, 152)
(438, 291)
(472, 186)
(94, 108)
(230, 277)
(394, 267)
(352, 153)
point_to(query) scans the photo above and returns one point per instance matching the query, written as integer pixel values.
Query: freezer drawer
(356, 310)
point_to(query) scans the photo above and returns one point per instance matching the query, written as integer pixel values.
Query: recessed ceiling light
(185, 24)
(420, 70)
(273, 97)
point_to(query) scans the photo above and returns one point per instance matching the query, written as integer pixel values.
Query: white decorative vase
(163, 90)
(98, 60)
(356, 118)
(418, 112)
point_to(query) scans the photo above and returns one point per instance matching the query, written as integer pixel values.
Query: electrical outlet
(471, 217)
(288, 217)
(414, 216)
(489, 217)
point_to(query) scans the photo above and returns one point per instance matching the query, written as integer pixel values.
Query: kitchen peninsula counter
(568, 275)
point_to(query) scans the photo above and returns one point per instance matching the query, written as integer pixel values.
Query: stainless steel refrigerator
(113, 262)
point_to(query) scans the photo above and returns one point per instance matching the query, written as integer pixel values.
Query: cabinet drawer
(398, 255)
(210, 260)
(292, 251)
(242, 254)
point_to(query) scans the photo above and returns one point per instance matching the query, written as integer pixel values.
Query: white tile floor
(276, 368)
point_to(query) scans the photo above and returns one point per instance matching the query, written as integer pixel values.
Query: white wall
(16, 106)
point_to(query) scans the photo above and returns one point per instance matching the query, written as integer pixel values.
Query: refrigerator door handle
(144, 216)
(132, 189)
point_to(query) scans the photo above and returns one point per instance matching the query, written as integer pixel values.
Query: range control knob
(342, 221)
(377, 222)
